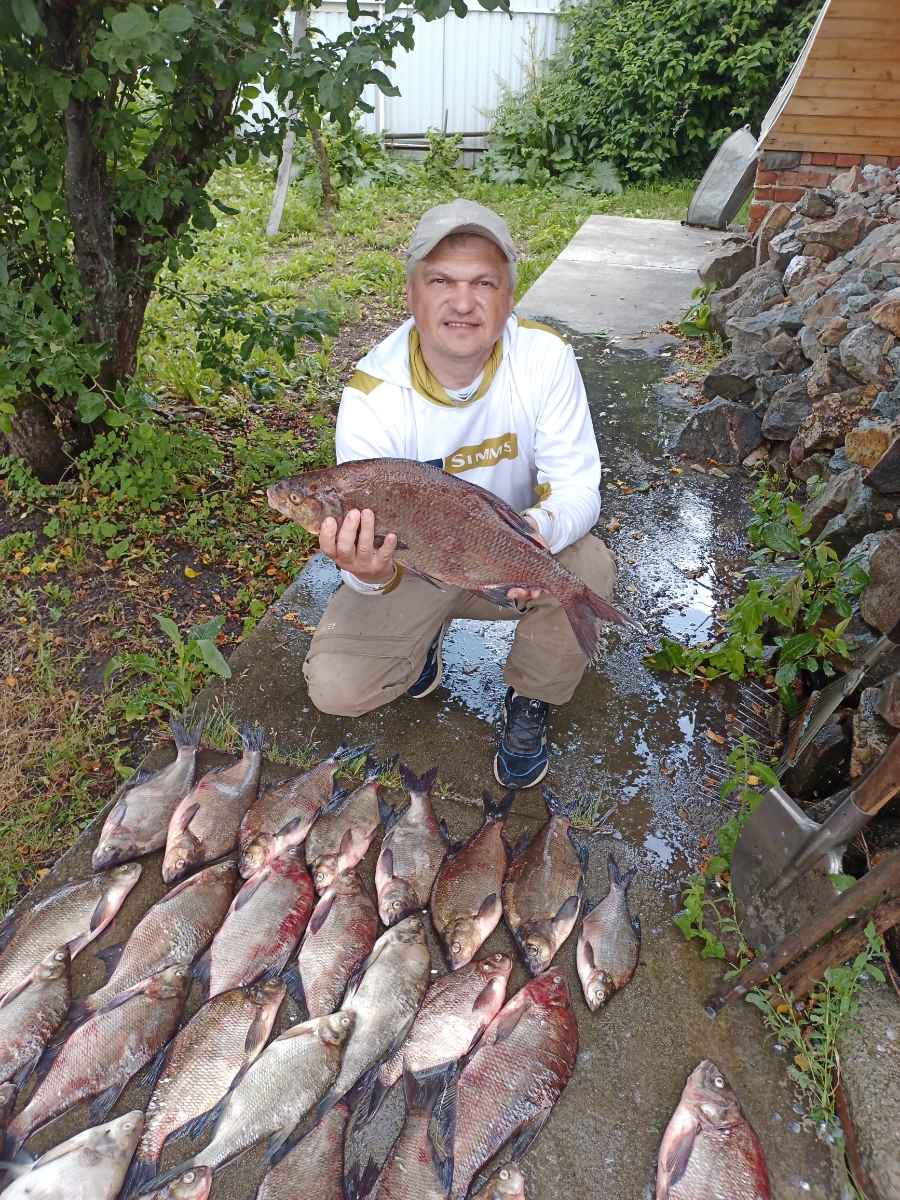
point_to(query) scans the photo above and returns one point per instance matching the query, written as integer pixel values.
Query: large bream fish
(413, 849)
(449, 531)
(609, 942)
(89, 1166)
(710, 1149)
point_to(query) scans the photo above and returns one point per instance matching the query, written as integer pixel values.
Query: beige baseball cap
(459, 216)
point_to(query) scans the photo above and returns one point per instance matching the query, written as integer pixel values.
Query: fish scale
(175, 930)
(73, 916)
(224, 1036)
(103, 1054)
(412, 852)
(510, 1085)
(449, 531)
(313, 1169)
(89, 1166)
(32, 1013)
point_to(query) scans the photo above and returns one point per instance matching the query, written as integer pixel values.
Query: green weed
(588, 811)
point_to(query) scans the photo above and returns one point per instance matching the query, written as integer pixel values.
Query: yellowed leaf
(11, 680)
(802, 1061)
(289, 616)
(753, 780)
(782, 1008)
(191, 573)
(613, 526)
(715, 737)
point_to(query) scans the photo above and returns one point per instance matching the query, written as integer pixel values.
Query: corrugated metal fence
(455, 75)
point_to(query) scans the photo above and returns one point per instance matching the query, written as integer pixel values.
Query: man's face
(461, 296)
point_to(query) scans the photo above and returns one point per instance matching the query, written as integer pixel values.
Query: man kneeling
(468, 387)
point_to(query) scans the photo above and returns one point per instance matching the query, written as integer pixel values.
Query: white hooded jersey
(526, 435)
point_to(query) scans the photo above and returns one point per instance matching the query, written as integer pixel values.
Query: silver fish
(195, 1184)
(205, 824)
(506, 1183)
(313, 1167)
(284, 813)
(609, 941)
(175, 930)
(456, 1010)
(137, 824)
(31, 1013)
(219, 1043)
(89, 1166)
(543, 887)
(413, 849)
(72, 916)
(341, 836)
(339, 937)
(383, 1001)
(99, 1058)
(285, 1083)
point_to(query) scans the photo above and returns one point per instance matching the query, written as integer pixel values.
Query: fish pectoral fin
(358, 1184)
(199, 1125)
(257, 1035)
(250, 888)
(422, 575)
(506, 1023)
(202, 969)
(102, 1104)
(296, 990)
(110, 956)
(490, 906)
(680, 1154)
(48, 1058)
(345, 849)
(386, 862)
(151, 1077)
(184, 819)
(568, 910)
(277, 965)
(527, 1134)
(496, 595)
(379, 542)
(320, 916)
(277, 1140)
(588, 951)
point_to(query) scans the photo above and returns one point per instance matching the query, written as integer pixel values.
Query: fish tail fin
(442, 1132)
(139, 1175)
(253, 737)
(374, 770)
(182, 735)
(294, 982)
(557, 806)
(377, 1093)
(586, 613)
(80, 1011)
(412, 783)
(421, 1091)
(618, 878)
(358, 1184)
(500, 810)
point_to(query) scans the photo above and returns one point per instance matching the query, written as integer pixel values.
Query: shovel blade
(767, 845)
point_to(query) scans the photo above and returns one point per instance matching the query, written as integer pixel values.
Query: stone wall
(783, 176)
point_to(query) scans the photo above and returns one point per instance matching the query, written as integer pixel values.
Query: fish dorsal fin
(445, 832)
(583, 852)
(483, 999)
(117, 814)
(680, 1155)
(296, 990)
(388, 815)
(590, 905)
(522, 843)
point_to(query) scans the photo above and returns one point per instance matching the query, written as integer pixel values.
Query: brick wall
(782, 176)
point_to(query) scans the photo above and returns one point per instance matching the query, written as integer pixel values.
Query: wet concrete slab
(622, 275)
(634, 743)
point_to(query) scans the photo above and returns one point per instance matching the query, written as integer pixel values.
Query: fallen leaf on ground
(191, 573)
(696, 467)
(715, 737)
(11, 680)
(613, 526)
(718, 471)
(288, 616)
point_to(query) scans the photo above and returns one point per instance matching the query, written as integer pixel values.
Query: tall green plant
(651, 86)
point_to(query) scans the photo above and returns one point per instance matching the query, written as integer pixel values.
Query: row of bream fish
(214, 1071)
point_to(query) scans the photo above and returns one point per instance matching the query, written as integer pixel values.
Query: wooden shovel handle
(880, 784)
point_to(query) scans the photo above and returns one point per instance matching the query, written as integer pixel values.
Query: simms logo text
(469, 458)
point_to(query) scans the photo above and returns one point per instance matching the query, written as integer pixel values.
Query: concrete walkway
(621, 275)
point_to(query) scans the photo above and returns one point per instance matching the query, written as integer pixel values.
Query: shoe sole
(438, 679)
(519, 786)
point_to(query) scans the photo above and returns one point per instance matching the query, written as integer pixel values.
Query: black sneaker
(522, 759)
(432, 672)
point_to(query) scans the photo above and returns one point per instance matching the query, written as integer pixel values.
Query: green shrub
(652, 87)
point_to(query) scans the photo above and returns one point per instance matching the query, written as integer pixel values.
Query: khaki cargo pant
(367, 650)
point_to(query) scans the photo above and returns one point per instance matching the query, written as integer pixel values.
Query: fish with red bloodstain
(465, 902)
(261, 930)
(448, 531)
(507, 1090)
(411, 854)
(284, 813)
(710, 1150)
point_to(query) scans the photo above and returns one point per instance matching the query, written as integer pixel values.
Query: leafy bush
(441, 160)
(651, 86)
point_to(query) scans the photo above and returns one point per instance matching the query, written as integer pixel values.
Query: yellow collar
(426, 385)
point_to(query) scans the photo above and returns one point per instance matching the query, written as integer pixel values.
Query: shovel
(782, 860)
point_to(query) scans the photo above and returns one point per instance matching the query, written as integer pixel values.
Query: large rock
(812, 348)
(749, 334)
(884, 477)
(735, 377)
(888, 706)
(721, 430)
(822, 311)
(787, 410)
(879, 603)
(868, 442)
(830, 502)
(872, 246)
(828, 376)
(801, 269)
(887, 313)
(832, 332)
(864, 513)
(830, 420)
(744, 298)
(782, 248)
(785, 352)
(727, 264)
(812, 205)
(772, 223)
(839, 232)
(862, 355)
(871, 733)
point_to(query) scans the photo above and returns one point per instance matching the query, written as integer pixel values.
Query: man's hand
(358, 554)
(528, 593)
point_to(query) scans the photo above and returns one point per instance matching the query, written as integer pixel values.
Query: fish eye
(179, 863)
(345, 1021)
(719, 1081)
(456, 947)
(295, 499)
(188, 1177)
(504, 1174)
